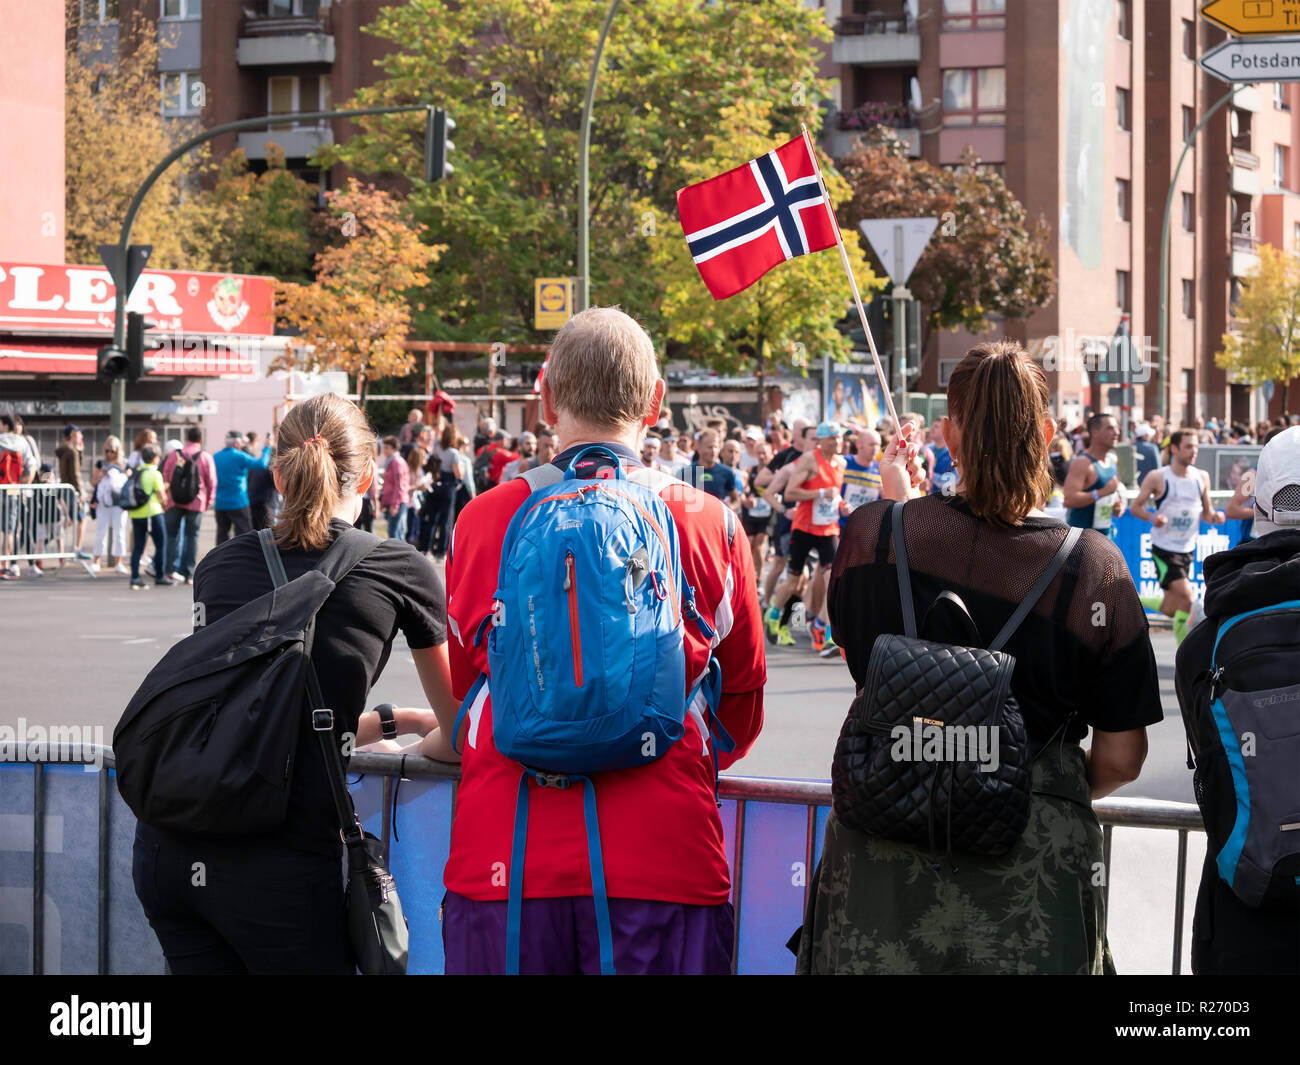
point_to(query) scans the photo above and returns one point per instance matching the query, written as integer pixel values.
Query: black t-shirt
(392, 589)
(718, 480)
(783, 458)
(1084, 649)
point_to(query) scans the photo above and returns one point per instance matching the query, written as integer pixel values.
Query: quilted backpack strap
(1036, 592)
(904, 576)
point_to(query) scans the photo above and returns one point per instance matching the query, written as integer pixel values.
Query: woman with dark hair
(1083, 659)
(274, 902)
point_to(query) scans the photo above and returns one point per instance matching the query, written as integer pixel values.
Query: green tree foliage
(253, 223)
(789, 315)
(513, 75)
(1264, 344)
(983, 259)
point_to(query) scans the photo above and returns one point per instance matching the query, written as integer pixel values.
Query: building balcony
(1243, 262)
(283, 41)
(850, 126)
(297, 143)
(1245, 181)
(1243, 157)
(876, 39)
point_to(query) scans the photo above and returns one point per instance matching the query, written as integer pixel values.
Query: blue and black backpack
(1244, 744)
(585, 649)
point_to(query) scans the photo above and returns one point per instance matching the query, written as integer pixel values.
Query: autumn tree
(114, 134)
(790, 315)
(251, 223)
(1264, 342)
(513, 75)
(985, 258)
(355, 316)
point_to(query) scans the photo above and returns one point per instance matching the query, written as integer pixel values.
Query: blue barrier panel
(1133, 538)
(422, 826)
(71, 863)
(16, 868)
(772, 881)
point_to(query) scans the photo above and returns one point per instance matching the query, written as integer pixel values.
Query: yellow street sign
(1247, 17)
(552, 302)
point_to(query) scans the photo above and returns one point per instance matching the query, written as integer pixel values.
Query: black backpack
(132, 496)
(905, 765)
(207, 743)
(1243, 741)
(185, 484)
(483, 467)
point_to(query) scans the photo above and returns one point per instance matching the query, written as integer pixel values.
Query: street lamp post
(1165, 393)
(584, 280)
(117, 416)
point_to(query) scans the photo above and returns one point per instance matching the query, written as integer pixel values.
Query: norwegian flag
(740, 224)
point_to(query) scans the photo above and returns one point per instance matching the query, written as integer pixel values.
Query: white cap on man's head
(1277, 484)
(1142, 431)
(754, 433)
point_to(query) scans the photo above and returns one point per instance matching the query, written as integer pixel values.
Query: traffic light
(437, 145)
(112, 363)
(138, 345)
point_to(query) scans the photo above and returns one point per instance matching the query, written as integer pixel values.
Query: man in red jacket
(665, 863)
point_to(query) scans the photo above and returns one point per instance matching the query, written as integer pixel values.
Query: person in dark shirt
(708, 474)
(274, 903)
(1083, 659)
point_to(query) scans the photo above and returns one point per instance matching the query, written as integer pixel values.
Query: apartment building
(225, 60)
(1084, 106)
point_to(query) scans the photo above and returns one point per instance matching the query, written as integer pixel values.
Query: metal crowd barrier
(37, 522)
(67, 903)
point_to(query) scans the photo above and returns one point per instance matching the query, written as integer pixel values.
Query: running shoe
(772, 623)
(37, 571)
(817, 630)
(830, 648)
(783, 637)
(166, 582)
(123, 569)
(10, 573)
(138, 585)
(84, 555)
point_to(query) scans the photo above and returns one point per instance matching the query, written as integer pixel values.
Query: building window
(179, 9)
(1189, 212)
(1189, 121)
(1123, 113)
(1279, 166)
(288, 8)
(300, 94)
(1189, 39)
(1123, 193)
(1234, 293)
(974, 14)
(182, 93)
(1124, 26)
(1279, 96)
(1122, 290)
(1295, 237)
(1189, 299)
(99, 10)
(975, 97)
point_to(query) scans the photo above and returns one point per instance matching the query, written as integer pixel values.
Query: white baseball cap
(1142, 430)
(1277, 484)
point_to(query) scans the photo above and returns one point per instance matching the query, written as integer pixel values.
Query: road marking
(104, 636)
(144, 639)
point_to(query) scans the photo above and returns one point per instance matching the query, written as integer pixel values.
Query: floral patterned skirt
(877, 906)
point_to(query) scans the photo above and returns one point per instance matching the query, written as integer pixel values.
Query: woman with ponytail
(1083, 661)
(274, 903)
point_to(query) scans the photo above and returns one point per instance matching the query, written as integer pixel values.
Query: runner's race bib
(826, 511)
(761, 508)
(1103, 512)
(855, 495)
(1184, 519)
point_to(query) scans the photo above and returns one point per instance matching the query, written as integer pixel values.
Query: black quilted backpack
(934, 750)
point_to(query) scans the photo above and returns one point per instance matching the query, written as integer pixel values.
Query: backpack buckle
(322, 720)
(551, 780)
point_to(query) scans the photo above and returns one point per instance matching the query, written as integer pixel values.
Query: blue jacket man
(231, 501)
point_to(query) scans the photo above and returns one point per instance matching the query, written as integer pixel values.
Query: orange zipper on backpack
(575, 633)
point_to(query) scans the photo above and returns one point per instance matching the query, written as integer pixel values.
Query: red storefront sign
(71, 300)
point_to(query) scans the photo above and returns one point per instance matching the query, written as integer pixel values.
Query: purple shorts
(558, 937)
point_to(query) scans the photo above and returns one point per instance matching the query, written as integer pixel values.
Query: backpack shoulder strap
(1036, 592)
(541, 476)
(351, 546)
(904, 575)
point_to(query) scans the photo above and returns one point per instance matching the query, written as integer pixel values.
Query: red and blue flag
(741, 224)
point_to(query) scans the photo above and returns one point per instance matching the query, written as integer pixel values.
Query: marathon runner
(1092, 490)
(1182, 495)
(766, 482)
(815, 484)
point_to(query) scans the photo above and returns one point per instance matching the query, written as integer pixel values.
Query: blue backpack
(585, 650)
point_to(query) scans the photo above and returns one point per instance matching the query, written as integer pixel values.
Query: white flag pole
(853, 283)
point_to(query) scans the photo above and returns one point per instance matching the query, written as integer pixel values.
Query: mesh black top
(1084, 649)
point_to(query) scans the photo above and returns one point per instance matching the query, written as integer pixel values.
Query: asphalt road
(77, 647)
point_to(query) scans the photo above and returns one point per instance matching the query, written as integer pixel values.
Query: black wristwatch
(387, 722)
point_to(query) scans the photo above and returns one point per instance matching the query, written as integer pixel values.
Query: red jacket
(661, 834)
